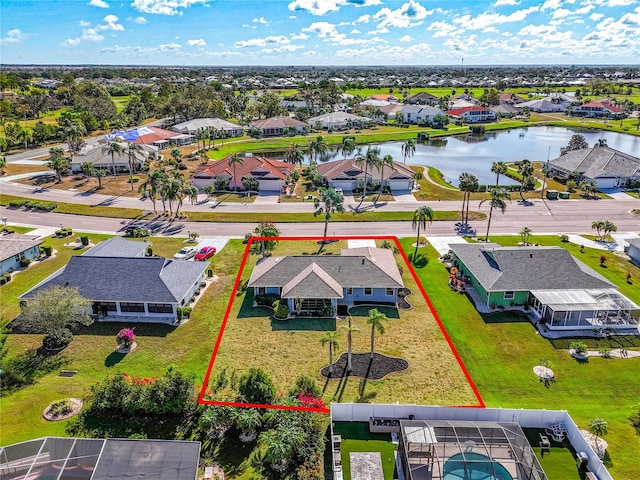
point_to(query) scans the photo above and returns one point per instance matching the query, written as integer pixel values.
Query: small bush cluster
(24, 262)
(266, 300)
(64, 232)
(54, 341)
(134, 179)
(125, 337)
(47, 250)
(579, 347)
(5, 278)
(34, 204)
(184, 312)
(281, 309)
(60, 408)
(84, 240)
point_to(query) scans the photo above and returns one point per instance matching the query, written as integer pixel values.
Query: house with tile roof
(271, 174)
(338, 121)
(387, 97)
(358, 276)
(347, 175)
(122, 284)
(14, 247)
(191, 127)
(278, 126)
(563, 292)
(419, 113)
(610, 168)
(510, 98)
(472, 114)
(98, 155)
(422, 98)
(598, 109)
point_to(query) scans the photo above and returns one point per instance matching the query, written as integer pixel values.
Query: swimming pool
(474, 466)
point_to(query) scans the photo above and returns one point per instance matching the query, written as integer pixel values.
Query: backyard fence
(362, 412)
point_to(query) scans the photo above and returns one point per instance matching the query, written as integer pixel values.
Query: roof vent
(531, 255)
(362, 260)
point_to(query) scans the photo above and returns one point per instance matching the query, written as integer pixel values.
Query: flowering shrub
(125, 337)
(309, 401)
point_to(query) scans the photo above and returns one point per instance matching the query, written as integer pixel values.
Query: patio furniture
(545, 444)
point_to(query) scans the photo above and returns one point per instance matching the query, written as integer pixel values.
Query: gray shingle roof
(527, 268)
(127, 279)
(118, 247)
(598, 162)
(347, 270)
(16, 243)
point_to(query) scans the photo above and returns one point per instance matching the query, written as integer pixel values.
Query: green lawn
(290, 348)
(357, 438)
(187, 347)
(500, 351)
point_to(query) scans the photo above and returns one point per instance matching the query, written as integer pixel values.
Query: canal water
(473, 154)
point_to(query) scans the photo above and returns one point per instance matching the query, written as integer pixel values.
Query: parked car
(205, 253)
(186, 253)
(137, 230)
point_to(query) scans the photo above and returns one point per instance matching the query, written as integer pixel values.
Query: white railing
(362, 412)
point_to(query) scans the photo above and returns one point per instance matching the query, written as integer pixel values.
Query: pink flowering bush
(125, 337)
(309, 401)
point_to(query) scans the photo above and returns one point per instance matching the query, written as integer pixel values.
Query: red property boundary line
(394, 239)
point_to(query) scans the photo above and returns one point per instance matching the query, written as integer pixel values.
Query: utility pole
(546, 171)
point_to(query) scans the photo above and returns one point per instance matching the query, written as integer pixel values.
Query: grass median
(248, 217)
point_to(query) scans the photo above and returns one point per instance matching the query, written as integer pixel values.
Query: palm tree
(526, 170)
(281, 444)
(191, 193)
(132, 150)
(598, 427)
(370, 159)
(73, 134)
(153, 185)
(332, 339)
(350, 329)
(498, 195)
(387, 160)
(267, 230)
(25, 135)
(3, 164)
(422, 217)
(317, 146)
(471, 184)
(88, 169)
(201, 134)
(294, 154)
(375, 319)
(499, 168)
(247, 420)
(57, 162)
(235, 159)
(408, 149)
(602, 142)
(111, 148)
(348, 146)
(525, 233)
(598, 226)
(329, 202)
(176, 154)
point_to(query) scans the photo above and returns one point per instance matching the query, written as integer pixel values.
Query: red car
(205, 253)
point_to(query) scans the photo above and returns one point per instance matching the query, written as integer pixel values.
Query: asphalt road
(569, 217)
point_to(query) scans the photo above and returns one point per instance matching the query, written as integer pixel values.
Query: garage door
(344, 185)
(396, 185)
(271, 185)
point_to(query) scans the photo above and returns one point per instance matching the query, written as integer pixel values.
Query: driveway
(405, 196)
(618, 194)
(267, 198)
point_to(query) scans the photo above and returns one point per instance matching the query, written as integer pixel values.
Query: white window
(349, 291)
(368, 291)
(389, 292)
(509, 294)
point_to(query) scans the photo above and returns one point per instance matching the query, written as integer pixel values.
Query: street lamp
(4, 220)
(546, 172)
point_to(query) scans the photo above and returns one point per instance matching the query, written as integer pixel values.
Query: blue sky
(320, 32)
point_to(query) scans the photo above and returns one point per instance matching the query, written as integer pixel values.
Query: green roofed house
(562, 292)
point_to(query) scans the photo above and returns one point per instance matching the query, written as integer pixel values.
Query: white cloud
(245, 25)
(263, 42)
(363, 19)
(442, 29)
(13, 36)
(537, 30)
(355, 31)
(550, 5)
(561, 13)
(164, 7)
(408, 15)
(169, 47)
(111, 24)
(83, 23)
(485, 20)
(596, 16)
(140, 20)
(377, 31)
(260, 20)
(620, 3)
(88, 35)
(322, 7)
(310, 53)
(283, 48)
(406, 38)
(500, 3)
(299, 36)
(199, 42)
(98, 3)
(391, 54)
(325, 30)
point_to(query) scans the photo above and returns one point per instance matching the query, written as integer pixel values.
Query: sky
(320, 32)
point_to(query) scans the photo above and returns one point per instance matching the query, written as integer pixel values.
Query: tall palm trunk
(364, 188)
(373, 336)
(113, 163)
(415, 252)
(330, 358)
(466, 219)
(486, 238)
(464, 199)
(349, 365)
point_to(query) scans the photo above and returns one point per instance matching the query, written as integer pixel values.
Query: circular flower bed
(126, 340)
(365, 367)
(62, 409)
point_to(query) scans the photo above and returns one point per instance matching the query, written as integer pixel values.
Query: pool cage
(57, 458)
(463, 450)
